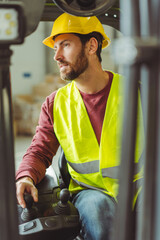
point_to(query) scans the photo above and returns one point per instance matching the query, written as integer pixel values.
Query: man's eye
(55, 49)
(66, 44)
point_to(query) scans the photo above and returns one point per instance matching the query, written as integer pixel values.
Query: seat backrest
(64, 178)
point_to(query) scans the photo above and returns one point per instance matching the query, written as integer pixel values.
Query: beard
(80, 65)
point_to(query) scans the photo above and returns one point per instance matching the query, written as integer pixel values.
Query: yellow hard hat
(67, 23)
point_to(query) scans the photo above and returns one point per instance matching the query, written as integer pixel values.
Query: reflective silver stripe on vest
(113, 172)
(93, 167)
(85, 168)
(88, 186)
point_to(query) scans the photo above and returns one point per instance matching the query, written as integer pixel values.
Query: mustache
(62, 62)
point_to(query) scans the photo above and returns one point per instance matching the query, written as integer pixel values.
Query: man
(84, 118)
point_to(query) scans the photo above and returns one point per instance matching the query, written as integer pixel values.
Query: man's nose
(58, 55)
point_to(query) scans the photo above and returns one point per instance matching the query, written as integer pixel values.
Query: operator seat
(64, 177)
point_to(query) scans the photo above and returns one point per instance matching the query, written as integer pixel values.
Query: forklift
(54, 217)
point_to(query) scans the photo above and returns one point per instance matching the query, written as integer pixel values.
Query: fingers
(20, 189)
(34, 193)
(25, 185)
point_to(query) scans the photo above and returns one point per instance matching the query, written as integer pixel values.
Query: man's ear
(93, 45)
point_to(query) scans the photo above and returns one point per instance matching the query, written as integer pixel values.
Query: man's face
(70, 56)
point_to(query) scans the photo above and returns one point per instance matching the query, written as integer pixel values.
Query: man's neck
(92, 81)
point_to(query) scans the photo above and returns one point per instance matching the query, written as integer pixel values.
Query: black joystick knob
(63, 206)
(28, 200)
(29, 212)
(64, 196)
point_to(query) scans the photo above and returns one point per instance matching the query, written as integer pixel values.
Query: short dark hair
(86, 37)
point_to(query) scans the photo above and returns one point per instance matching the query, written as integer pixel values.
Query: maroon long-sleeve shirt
(45, 144)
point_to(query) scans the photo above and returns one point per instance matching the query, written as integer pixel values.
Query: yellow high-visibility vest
(92, 165)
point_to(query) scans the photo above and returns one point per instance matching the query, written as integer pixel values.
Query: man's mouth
(62, 66)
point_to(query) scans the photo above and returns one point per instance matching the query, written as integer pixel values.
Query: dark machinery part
(7, 185)
(56, 219)
(85, 7)
(29, 212)
(33, 10)
(110, 17)
(63, 206)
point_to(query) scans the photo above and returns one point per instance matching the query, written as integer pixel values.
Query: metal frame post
(149, 32)
(144, 34)
(124, 223)
(8, 207)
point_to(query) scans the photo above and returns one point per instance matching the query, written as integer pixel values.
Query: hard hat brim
(49, 41)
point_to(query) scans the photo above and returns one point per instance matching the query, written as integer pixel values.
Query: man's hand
(23, 185)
